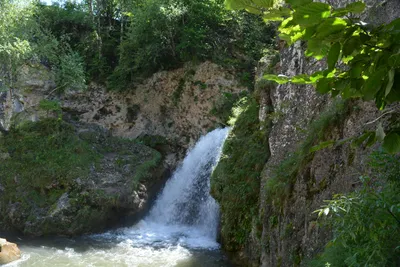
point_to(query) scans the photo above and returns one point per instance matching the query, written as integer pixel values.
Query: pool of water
(145, 244)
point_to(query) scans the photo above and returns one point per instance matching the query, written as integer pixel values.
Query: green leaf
(380, 133)
(281, 79)
(371, 139)
(390, 82)
(351, 44)
(322, 145)
(391, 143)
(317, 49)
(373, 85)
(301, 79)
(296, 3)
(323, 86)
(330, 26)
(360, 140)
(356, 7)
(394, 60)
(276, 14)
(311, 14)
(333, 55)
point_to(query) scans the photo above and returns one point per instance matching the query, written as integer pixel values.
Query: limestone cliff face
(174, 104)
(291, 234)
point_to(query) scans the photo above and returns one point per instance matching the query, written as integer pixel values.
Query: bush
(70, 72)
(366, 223)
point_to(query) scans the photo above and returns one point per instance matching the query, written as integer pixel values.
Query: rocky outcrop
(285, 232)
(291, 234)
(177, 105)
(9, 252)
(111, 179)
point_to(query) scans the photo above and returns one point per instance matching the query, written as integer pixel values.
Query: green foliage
(44, 154)
(279, 186)
(235, 182)
(222, 108)
(366, 223)
(165, 33)
(70, 72)
(15, 30)
(370, 53)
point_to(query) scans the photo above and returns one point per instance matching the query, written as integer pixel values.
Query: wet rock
(9, 252)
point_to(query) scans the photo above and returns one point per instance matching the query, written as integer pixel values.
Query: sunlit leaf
(311, 14)
(281, 79)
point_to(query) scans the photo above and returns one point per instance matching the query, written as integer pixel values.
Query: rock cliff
(111, 155)
(294, 182)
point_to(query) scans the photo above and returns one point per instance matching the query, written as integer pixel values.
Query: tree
(370, 53)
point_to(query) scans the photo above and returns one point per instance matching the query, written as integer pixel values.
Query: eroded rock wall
(174, 104)
(291, 234)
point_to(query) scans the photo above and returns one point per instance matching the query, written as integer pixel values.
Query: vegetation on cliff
(366, 223)
(121, 42)
(235, 182)
(51, 178)
(361, 63)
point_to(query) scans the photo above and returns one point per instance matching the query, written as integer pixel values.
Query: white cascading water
(178, 231)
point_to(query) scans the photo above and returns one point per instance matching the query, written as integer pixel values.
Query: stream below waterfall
(180, 230)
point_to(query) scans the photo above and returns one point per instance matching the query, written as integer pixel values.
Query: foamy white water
(180, 229)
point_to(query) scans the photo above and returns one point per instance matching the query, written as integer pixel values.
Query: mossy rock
(63, 180)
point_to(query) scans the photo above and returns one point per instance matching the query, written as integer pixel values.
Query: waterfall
(185, 199)
(184, 213)
(179, 231)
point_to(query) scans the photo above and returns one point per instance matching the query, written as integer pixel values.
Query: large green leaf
(380, 133)
(357, 7)
(333, 55)
(391, 143)
(317, 49)
(296, 3)
(390, 82)
(324, 86)
(276, 14)
(331, 26)
(373, 84)
(394, 60)
(351, 44)
(311, 14)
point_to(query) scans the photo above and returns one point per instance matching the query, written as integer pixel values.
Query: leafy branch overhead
(369, 56)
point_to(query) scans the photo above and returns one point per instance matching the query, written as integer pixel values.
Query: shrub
(366, 223)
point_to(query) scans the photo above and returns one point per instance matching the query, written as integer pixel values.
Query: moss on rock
(235, 182)
(63, 180)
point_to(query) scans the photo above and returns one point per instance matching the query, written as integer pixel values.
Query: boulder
(8, 252)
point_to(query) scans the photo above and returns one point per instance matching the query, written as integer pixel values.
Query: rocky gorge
(81, 161)
(127, 144)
